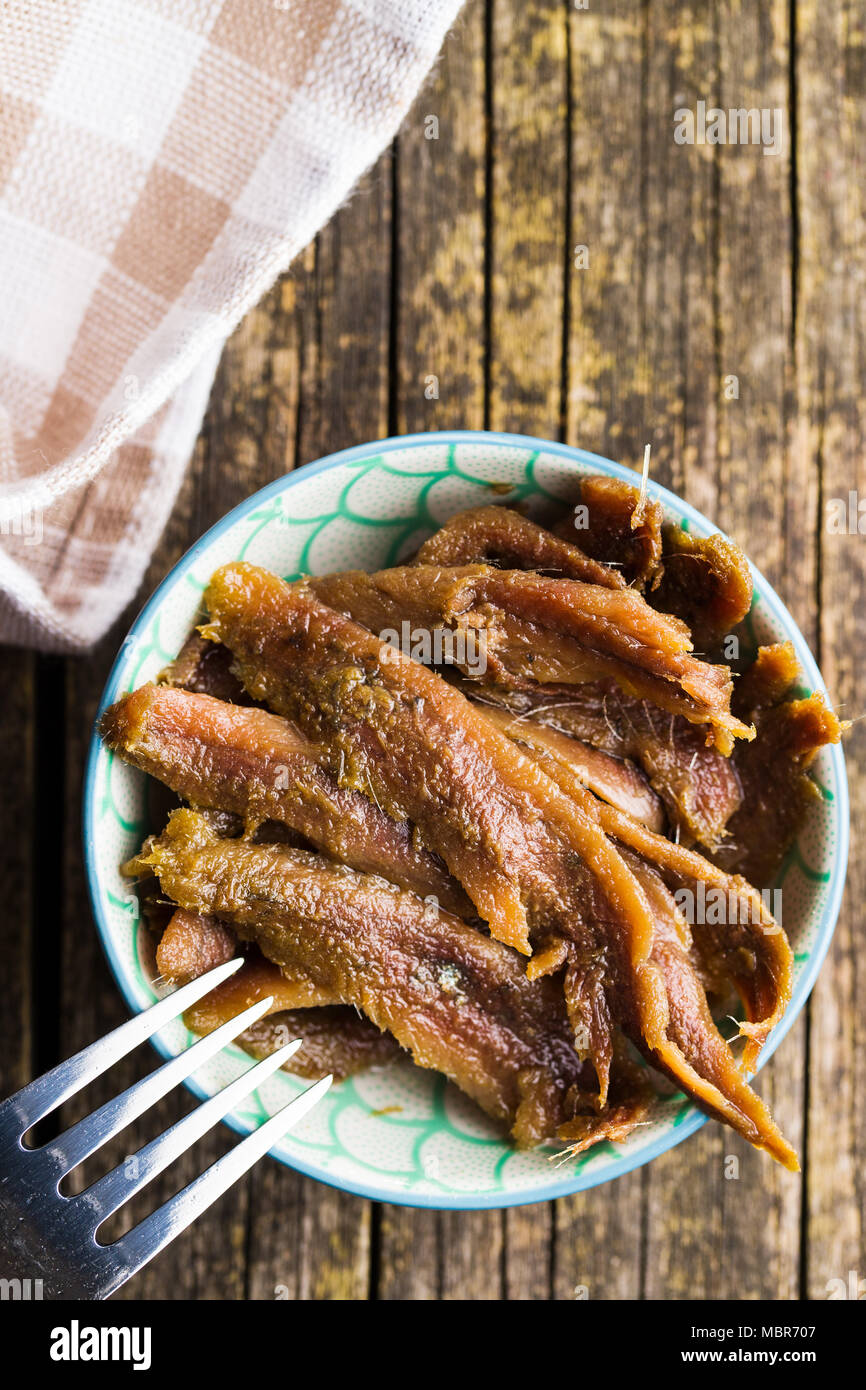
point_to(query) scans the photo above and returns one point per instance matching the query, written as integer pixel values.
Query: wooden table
(448, 293)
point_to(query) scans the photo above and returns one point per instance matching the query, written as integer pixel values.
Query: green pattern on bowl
(399, 1133)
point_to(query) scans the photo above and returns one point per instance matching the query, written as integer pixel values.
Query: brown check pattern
(161, 162)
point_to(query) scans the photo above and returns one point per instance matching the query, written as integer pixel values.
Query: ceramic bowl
(401, 1134)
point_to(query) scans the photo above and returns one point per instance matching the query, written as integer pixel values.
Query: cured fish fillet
(205, 668)
(259, 766)
(499, 536)
(542, 631)
(613, 779)
(335, 1038)
(457, 1000)
(336, 1041)
(748, 948)
(420, 750)
(700, 789)
(719, 1086)
(706, 581)
(520, 846)
(606, 523)
(777, 788)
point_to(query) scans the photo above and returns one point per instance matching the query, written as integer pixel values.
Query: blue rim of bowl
(581, 1182)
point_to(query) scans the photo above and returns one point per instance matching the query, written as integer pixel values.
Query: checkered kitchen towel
(161, 161)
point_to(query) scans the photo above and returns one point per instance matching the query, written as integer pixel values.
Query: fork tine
(115, 1189)
(91, 1132)
(43, 1095)
(145, 1240)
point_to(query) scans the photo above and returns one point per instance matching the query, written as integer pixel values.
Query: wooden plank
(733, 1228)
(441, 166)
(641, 360)
(344, 400)
(249, 431)
(831, 354)
(598, 1244)
(655, 306)
(346, 324)
(606, 407)
(613, 266)
(529, 162)
(19, 836)
(472, 1255)
(528, 220)
(439, 348)
(678, 366)
(766, 500)
(754, 329)
(249, 437)
(408, 1255)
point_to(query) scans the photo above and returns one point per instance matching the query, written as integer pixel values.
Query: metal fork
(53, 1237)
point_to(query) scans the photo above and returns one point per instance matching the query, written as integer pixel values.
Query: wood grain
(249, 437)
(529, 156)
(345, 398)
(766, 498)
(606, 387)
(18, 1043)
(528, 193)
(438, 382)
(597, 1248)
(306, 1240)
(831, 357)
(734, 1229)
(439, 348)
(540, 255)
